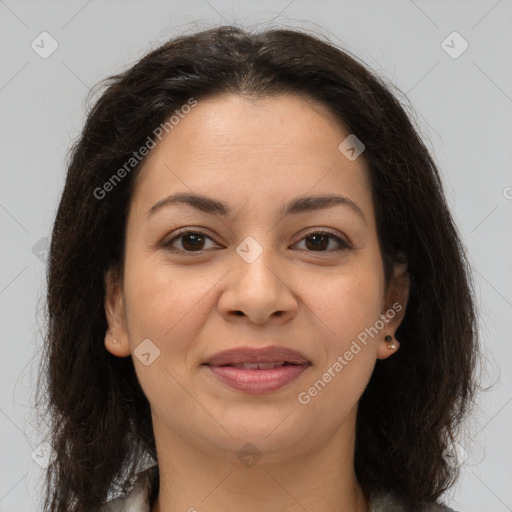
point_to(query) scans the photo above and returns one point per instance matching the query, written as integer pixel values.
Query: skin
(255, 155)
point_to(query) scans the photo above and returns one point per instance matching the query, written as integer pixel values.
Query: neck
(320, 478)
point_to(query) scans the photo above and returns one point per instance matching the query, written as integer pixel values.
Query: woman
(254, 280)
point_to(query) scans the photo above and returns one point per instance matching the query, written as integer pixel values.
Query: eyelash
(186, 231)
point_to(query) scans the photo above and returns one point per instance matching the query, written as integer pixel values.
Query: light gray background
(463, 107)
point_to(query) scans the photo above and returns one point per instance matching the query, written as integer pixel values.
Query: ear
(116, 336)
(394, 308)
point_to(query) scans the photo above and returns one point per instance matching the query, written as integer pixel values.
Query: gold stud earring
(389, 339)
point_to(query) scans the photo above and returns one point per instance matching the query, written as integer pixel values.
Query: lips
(257, 371)
(262, 358)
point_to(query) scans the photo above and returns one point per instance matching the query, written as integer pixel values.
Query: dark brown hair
(415, 401)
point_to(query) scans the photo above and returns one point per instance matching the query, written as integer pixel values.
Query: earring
(389, 339)
(113, 339)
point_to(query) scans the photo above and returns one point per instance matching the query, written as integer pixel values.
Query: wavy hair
(415, 402)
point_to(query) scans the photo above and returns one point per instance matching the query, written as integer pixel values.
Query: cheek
(348, 301)
(166, 307)
(165, 303)
(345, 307)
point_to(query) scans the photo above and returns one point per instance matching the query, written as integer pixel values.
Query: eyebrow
(296, 206)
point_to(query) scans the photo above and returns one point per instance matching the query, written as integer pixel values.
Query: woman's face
(255, 277)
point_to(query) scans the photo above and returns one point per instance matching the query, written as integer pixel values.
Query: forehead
(250, 149)
(291, 126)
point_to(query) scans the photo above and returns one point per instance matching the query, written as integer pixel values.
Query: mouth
(257, 371)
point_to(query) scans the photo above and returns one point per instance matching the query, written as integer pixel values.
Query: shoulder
(389, 502)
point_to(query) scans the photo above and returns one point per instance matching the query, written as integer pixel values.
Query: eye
(191, 241)
(318, 241)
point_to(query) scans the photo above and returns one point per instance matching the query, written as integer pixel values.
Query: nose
(259, 290)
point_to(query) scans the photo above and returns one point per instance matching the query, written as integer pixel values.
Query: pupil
(197, 240)
(320, 241)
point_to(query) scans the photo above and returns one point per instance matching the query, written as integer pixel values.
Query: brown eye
(194, 241)
(319, 241)
(191, 241)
